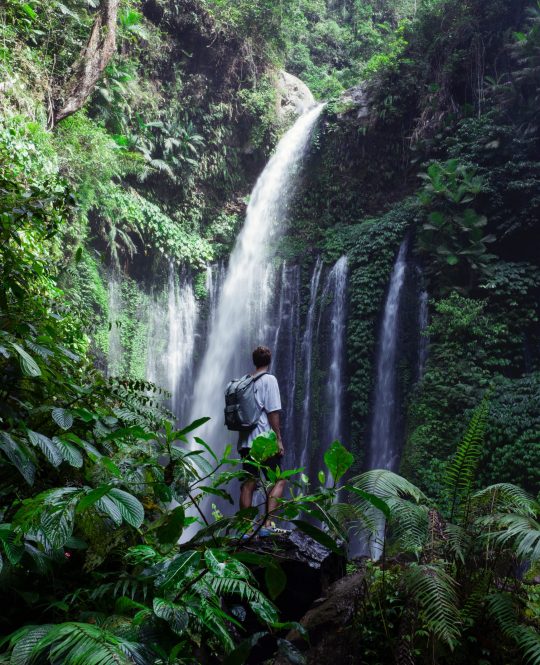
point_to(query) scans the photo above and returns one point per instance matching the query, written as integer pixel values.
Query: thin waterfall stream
(383, 453)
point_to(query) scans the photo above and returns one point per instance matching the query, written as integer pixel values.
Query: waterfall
(285, 365)
(114, 357)
(307, 357)
(182, 323)
(172, 320)
(242, 318)
(382, 452)
(423, 342)
(337, 281)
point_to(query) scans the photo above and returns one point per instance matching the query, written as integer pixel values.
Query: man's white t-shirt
(266, 392)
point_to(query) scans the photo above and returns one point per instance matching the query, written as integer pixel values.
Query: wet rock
(356, 100)
(329, 623)
(309, 567)
(294, 97)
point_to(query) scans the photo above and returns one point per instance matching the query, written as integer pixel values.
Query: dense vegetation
(153, 169)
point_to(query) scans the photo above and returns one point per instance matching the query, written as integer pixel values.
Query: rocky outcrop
(309, 567)
(294, 97)
(356, 100)
(329, 623)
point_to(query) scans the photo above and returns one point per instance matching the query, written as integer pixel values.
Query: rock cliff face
(293, 98)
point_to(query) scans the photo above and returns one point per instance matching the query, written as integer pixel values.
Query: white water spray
(245, 298)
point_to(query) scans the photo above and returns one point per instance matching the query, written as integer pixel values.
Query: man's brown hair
(262, 356)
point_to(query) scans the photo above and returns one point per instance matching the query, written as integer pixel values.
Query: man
(266, 391)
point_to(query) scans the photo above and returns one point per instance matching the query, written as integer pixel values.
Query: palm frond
(520, 532)
(458, 541)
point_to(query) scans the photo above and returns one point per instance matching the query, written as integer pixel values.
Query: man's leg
(275, 493)
(246, 493)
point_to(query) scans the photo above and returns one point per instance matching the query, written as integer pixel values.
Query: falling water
(173, 317)
(383, 453)
(241, 318)
(307, 357)
(423, 342)
(337, 280)
(182, 322)
(285, 343)
(114, 358)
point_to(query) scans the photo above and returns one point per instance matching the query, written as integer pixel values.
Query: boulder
(310, 568)
(356, 100)
(294, 97)
(329, 623)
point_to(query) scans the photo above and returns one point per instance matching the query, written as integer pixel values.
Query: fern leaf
(76, 643)
(434, 590)
(504, 497)
(502, 608)
(384, 483)
(461, 471)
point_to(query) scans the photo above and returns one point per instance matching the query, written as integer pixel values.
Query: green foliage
(453, 232)
(461, 471)
(447, 594)
(371, 248)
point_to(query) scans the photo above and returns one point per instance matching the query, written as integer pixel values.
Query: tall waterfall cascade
(383, 452)
(335, 387)
(192, 347)
(243, 314)
(307, 353)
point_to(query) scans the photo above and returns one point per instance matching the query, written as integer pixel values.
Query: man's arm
(273, 419)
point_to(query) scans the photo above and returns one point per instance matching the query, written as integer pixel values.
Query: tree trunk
(91, 62)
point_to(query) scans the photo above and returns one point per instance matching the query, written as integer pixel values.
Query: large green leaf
(92, 496)
(338, 460)
(264, 446)
(71, 454)
(28, 364)
(62, 417)
(171, 529)
(19, 455)
(110, 508)
(131, 508)
(47, 447)
(174, 615)
(178, 568)
(375, 501)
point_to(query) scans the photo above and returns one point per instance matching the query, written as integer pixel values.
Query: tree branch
(92, 61)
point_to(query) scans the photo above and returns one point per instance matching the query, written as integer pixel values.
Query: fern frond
(504, 497)
(523, 533)
(458, 541)
(384, 483)
(434, 590)
(502, 608)
(75, 643)
(461, 471)
(408, 524)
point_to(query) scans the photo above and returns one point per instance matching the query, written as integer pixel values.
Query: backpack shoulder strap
(258, 376)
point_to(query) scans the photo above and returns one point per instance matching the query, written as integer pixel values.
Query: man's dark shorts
(251, 468)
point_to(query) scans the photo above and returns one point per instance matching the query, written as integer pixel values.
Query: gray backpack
(242, 411)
